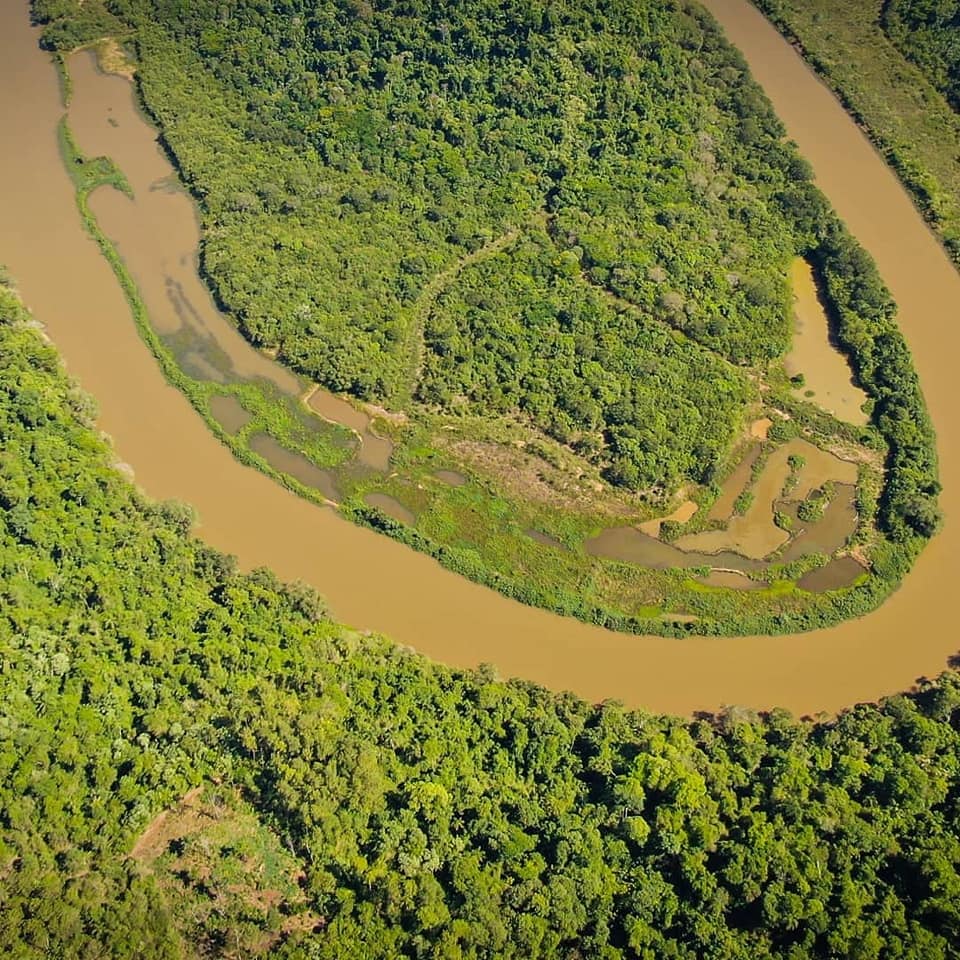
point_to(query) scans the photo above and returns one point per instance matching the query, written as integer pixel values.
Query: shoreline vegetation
(893, 101)
(89, 174)
(863, 317)
(196, 762)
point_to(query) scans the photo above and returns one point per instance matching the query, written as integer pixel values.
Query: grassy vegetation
(325, 444)
(929, 35)
(906, 115)
(330, 169)
(199, 764)
(224, 876)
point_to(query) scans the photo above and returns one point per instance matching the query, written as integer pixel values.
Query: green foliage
(593, 372)
(431, 812)
(866, 329)
(928, 32)
(467, 534)
(586, 322)
(352, 159)
(782, 430)
(72, 23)
(670, 530)
(88, 173)
(811, 510)
(743, 502)
(795, 462)
(894, 100)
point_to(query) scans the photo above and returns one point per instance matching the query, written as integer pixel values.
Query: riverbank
(91, 174)
(480, 529)
(905, 116)
(200, 762)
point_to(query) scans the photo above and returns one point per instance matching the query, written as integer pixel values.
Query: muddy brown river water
(828, 379)
(373, 582)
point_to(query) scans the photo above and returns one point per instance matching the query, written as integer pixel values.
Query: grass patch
(225, 876)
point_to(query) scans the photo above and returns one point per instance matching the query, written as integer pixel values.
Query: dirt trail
(432, 290)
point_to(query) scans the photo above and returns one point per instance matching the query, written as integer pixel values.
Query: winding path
(433, 289)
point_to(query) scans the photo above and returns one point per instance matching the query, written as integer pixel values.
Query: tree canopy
(511, 221)
(418, 811)
(350, 156)
(928, 32)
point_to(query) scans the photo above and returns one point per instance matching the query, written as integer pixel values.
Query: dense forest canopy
(928, 32)
(351, 157)
(600, 365)
(409, 809)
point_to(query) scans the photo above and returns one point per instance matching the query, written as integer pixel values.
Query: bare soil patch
(214, 860)
(112, 58)
(529, 477)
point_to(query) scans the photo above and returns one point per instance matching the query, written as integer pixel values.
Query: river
(376, 583)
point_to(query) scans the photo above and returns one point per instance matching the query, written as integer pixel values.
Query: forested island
(196, 762)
